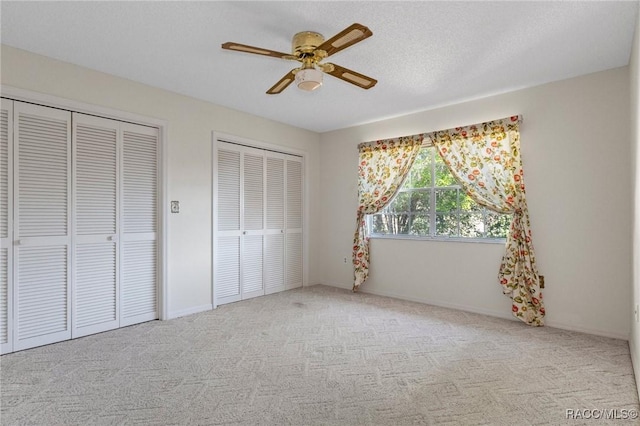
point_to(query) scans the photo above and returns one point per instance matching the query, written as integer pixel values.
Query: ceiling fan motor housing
(306, 42)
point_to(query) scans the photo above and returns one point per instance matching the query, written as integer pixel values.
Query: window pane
(421, 201)
(390, 224)
(443, 175)
(400, 223)
(446, 200)
(447, 224)
(420, 225)
(379, 224)
(467, 203)
(400, 203)
(420, 176)
(497, 225)
(471, 225)
(456, 214)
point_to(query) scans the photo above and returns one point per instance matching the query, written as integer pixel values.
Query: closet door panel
(228, 175)
(227, 274)
(95, 280)
(294, 193)
(253, 200)
(42, 204)
(228, 208)
(43, 296)
(5, 306)
(139, 297)
(294, 260)
(6, 224)
(252, 266)
(274, 263)
(253, 206)
(274, 232)
(6, 160)
(95, 288)
(275, 193)
(294, 216)
(139, 224)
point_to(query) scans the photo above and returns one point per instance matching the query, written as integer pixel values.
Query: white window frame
(432, 213)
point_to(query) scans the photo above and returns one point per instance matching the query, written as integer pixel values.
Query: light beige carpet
(320, 355)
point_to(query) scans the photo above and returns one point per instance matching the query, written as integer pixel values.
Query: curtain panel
(485, 160)
(382, 168)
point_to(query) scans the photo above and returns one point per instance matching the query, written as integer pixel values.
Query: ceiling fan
(309, 48)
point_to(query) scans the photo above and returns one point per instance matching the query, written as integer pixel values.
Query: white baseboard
(442, 304)
(635, 362)
(483, 311)
(593, 331)
(190, 311)
(345, 286)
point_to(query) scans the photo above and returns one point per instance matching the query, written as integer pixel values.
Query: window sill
(501, 241)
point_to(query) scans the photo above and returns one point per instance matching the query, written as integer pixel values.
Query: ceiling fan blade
(345, 38)
(256, 50)
(349, 76)
(282, 84)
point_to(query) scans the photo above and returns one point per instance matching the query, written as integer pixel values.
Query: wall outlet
(345, 260)
(175, 207)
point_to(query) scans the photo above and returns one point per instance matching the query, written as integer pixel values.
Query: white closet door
(228, 216)
(293, 222)
(139, 225)
(42, 203)
(95, 281)
(258, 246)
(252, 283)
(274, 232)
(6, 213)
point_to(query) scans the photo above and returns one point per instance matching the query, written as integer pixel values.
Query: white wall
(634, 71)
(579, 195)
(575, 149)
(189, 156)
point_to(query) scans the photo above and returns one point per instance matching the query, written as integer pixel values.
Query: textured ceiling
(423, 54)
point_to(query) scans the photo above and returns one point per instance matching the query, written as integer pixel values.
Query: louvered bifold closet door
(252, 242)
(6, 213)
(139, 225)
(42, 225)
(95, 248)
(274, 232)
(227, 207)
(294, 215)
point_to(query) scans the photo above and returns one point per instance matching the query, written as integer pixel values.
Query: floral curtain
(485, 159)
(383, 165)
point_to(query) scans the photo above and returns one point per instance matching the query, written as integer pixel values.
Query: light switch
(175, 207)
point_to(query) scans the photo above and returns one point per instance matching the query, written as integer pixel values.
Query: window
(431, 204)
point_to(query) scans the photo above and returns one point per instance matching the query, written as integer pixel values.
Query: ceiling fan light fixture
(309, 79)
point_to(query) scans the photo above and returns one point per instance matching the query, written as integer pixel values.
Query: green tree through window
(431, 204)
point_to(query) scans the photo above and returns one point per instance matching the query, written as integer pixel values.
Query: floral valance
(393, 142)
(427, 139)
